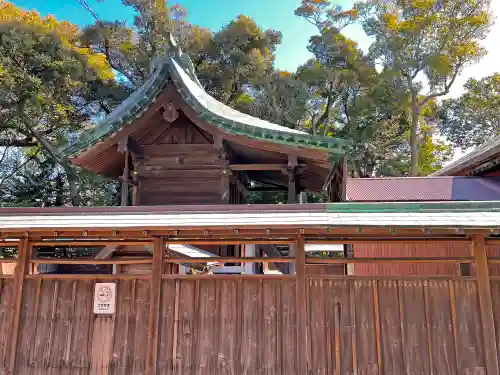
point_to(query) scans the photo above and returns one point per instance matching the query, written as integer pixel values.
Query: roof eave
(165, 69)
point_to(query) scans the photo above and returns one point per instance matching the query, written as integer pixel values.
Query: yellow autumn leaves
(65, 30)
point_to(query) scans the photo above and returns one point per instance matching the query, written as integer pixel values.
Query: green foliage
(56, 80)
(49, 89)
(239, 55)
(474, 117)
(433, 38)
(278, 97)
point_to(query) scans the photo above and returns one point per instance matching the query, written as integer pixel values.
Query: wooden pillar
(343, 182)
(125, 180)
(291, 171)
(135, 180)
(349, 254)
(301, 300)
(24, 251)
(154, 306)
(225, 186)
(485, 303)
(292, 187)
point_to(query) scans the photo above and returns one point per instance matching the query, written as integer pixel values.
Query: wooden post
(225, 186)
(301, 300)
(343, 183)
(292, 187)
(154, 306)
(125, 180)
(24, 251)
(485, 303)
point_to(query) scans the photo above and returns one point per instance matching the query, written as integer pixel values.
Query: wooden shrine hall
(186, 277)
(175, 144)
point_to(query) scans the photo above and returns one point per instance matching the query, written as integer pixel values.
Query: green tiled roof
(178, 67)
(414, 207)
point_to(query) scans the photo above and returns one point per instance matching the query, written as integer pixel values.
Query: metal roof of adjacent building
(406, 215)
(443, 188)
(477, 156)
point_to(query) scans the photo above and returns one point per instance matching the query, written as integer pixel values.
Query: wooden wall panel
(414, 328)
(441, 326)
(227, 327)
(495, 298)
(288, 327)
(402, 250)
(249, 326)
(6, 299)
(59, 334)
(493, 250)
(392, 327)
(325, 269)
(470, 350)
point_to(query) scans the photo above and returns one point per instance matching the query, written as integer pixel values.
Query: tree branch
(17, 142)
(107, 54)
(18, 168)
(88, 8)
(446, 90)
(62, 161)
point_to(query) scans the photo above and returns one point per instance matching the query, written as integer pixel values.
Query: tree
(474, 117)
(49, 88)
(240, 54)
(431, 39)
(347, 96)
(279, 97)
(129, 51)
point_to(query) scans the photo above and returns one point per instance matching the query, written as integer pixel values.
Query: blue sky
(213, 14)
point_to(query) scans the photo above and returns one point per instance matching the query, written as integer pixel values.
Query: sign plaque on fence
(105, 298)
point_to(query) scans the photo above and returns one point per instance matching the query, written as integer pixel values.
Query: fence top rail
(319, 260)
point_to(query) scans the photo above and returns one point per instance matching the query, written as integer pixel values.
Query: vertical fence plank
(485, 304)
(376, 306)
(428, 326)
(154, 305)
(402, 324)
(24, 251)
(390, 327)
(300, 264)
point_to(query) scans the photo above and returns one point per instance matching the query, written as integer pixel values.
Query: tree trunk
(413, 135)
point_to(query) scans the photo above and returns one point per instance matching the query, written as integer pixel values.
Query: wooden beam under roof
(259, 167)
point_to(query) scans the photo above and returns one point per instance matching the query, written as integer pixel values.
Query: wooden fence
(314, 324)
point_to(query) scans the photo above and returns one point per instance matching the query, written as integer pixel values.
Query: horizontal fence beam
(90, 243)
(54, 276)
(225, 241)
(392, 278)
(9, 243)
(228, 277)
(92, 261)
(318, 260)
(231, 260)
(494, 260)
(385, 240)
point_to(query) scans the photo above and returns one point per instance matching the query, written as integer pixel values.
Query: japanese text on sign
(104, 298)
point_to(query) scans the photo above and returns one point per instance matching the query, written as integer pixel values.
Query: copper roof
(445, 188)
